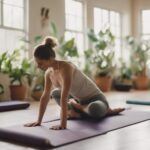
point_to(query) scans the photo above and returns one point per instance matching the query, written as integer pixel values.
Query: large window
(145, 24)
(74, 23)
(105, 18)
(12, 23)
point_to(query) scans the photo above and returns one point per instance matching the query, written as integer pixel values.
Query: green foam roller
(138, 102)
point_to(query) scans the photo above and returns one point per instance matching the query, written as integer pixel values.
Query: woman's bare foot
(115, 111)
(75, 104)
(71, 113)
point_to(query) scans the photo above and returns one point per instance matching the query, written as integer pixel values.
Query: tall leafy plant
(67, 48)
(3, 58)
(88, 60)
(102, 53)
(139, 55)
(16, 67)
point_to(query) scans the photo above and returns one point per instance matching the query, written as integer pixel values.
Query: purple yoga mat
(13, 105)
(77, 130)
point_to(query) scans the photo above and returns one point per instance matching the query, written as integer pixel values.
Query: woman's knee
(97, 109)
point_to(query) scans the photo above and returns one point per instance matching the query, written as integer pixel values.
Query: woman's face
(42, 64)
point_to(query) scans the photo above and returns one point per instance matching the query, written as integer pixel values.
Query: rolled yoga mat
(77, 130)
(138, 102)
(13, 105)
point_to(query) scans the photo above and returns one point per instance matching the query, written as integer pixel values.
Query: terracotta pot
(141, 82)
(104, 82)
(18, 92)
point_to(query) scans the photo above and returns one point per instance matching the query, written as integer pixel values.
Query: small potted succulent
(123, 81)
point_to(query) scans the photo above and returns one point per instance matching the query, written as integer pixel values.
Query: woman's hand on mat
(58, 127)
(32, 124)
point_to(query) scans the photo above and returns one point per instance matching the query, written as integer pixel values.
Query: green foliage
(16, 67)
(3, 58)
(102, 53)
(36, 78)
(87, 68)
(139, 55)
(53, 30)
(125, 72)
(66, 48)
(37, 38)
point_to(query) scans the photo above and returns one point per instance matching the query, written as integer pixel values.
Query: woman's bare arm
(66, 79)
(43, 101)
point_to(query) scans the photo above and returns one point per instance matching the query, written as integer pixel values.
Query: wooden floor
(135, 137)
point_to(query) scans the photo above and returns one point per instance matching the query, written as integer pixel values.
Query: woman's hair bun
(50, 41)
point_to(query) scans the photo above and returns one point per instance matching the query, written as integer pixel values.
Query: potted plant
(123, 81)
(103, 57)
(139, 57)
(35, 76)
(17, 68)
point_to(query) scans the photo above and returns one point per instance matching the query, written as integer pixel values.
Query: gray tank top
(83, 88)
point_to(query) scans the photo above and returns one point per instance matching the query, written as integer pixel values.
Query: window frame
(13, 28)
(142, 34)
(117, 37)
(76, 32)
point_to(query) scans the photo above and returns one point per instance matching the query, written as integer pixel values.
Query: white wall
(123, 7)
(137, 6)
(56, 14)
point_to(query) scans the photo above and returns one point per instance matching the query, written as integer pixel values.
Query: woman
(77, 95)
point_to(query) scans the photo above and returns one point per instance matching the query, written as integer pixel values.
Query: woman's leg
(96, 109)
(71, 112)
(56, 94)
